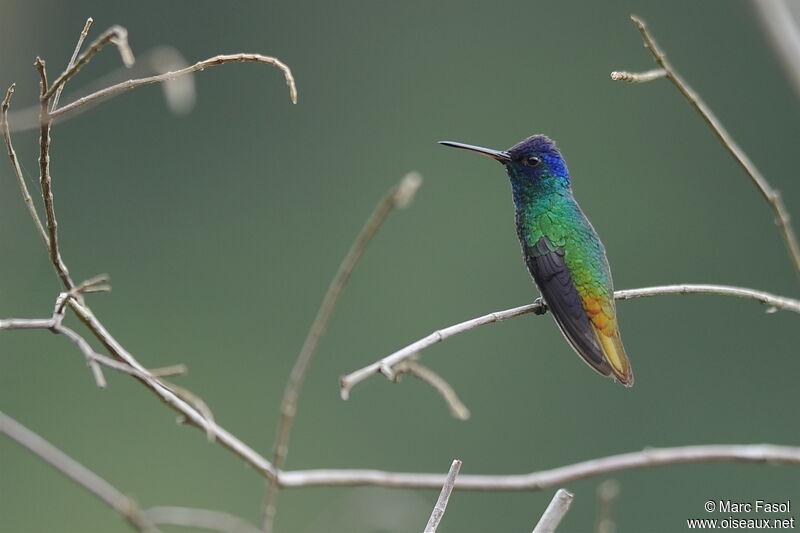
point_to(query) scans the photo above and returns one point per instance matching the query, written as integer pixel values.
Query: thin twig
(400, 196)
(78, 473)
(116, 35)
(200, 518)
(45, 181)
(437, 382)
(771, 195)
(202, 65)
(638, 77)
(753, 453)
(385, 365)
(12, 155)
(81, 38)
(552, 516)
(169, 371)
(444, 497)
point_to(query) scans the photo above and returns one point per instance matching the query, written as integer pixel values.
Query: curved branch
(385, 366)
(752, 453)
(201, 65)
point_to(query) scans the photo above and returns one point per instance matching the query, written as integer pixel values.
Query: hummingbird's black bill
(499, 155)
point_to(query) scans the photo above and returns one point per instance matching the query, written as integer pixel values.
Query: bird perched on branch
(563, 253)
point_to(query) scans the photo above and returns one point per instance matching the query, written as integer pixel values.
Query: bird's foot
(542, 306)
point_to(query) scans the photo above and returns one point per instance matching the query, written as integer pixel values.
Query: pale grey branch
(444, 497)
(385, 365)
(748, 453)
(201, 65)
(638, 77)
(437, 382)
(552, 516)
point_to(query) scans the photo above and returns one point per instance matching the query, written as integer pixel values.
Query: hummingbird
(563, 253)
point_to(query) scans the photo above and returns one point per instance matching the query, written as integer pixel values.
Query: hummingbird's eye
(533, 161)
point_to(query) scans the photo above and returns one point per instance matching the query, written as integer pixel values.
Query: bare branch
(444, 497)
(169, 371)
(400, 196)
(202, 65)
(45, 182)
(770, 195)
(116, 35)
(385, 365)
(638, 77)
(81, 38)
(753, 453)
(552, 516)
(439, 384)
(200, 518)
(76, 472)
(774, 302)
(12, 154)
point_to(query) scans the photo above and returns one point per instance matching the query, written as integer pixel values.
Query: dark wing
(546, 264)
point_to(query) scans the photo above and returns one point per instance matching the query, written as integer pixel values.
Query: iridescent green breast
(559, 218)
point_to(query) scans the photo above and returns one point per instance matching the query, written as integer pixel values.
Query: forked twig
(81, 38)
(116, 35)
(771, 195)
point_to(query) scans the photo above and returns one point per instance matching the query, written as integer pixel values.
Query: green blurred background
(222, 228)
